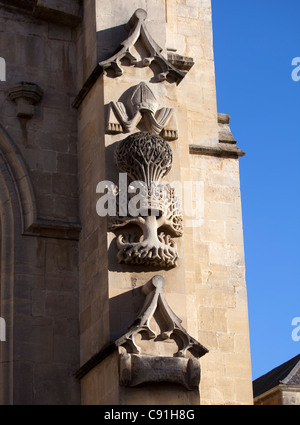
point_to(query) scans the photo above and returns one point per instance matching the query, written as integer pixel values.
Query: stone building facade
(122, 308)
(280, 386)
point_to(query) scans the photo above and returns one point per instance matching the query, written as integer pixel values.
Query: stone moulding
(144, 107)
(67, 12)
(137, 366)
(136, 370)
(31, 224)
(147, 158)
(225, 135)
(226, 148)
(175, 67)
(219, 151)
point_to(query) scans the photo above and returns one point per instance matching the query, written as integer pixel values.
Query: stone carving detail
(225, 135)
(143, 106)
(158, 330)
(26, 95)
(147, 158)
(138, 30)
(144, 156)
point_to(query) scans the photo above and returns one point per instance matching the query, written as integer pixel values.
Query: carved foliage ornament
(144, 156)
(147, 158)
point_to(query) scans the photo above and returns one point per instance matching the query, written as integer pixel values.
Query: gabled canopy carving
(173, 68)
(170, 324)
(138, 30)
(163, 353)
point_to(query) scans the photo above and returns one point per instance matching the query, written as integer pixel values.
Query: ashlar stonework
(144, 308)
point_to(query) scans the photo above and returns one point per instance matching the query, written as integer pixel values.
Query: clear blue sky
(254, 44)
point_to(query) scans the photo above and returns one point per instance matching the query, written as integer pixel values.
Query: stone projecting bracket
(155, 332)
(227, 145)
(25, 95)
(173, 68)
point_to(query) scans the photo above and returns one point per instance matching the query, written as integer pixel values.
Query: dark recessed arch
(14, 165)
(17, 212)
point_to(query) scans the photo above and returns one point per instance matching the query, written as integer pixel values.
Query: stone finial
(26, 95)
(225, 135)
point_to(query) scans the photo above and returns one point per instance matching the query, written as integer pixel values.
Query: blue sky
(254, 45)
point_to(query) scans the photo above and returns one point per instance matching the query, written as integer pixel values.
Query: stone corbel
(25, 95)
(144, 348)
(136, 370)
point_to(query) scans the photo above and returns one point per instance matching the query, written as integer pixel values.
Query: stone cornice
(95, 360)
(226, 148)
(67, 12)
(54, 229)
(223, 150)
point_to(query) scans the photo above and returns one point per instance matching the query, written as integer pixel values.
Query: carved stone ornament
(141, 106)
(157, 348)
(170, 69)
(26, 95)
(175, 68)
(146, 158)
